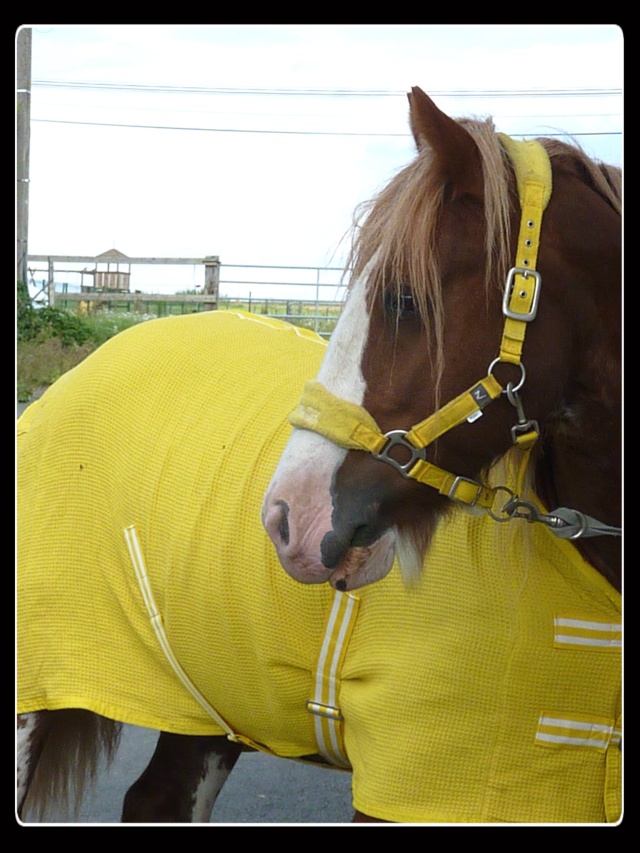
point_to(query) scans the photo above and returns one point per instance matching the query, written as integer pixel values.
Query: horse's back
(172, 429)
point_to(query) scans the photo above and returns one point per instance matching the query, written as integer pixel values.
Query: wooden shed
(111, 279)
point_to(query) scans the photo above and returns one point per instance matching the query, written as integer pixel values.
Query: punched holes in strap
(522, 289)
(534, 179)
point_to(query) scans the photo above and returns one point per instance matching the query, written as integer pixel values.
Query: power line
(285, 132)
(295, 113)
(224, 90)
(351, 93)
(217, 129)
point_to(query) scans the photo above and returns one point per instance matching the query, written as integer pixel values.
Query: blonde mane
(398, 228)
(396, 231)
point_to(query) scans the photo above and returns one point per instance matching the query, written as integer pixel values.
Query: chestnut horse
(428, 382)
(483, 322)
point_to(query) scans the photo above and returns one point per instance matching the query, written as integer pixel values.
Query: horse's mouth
(364, 565)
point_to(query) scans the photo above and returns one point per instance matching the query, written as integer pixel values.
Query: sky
(257, 142)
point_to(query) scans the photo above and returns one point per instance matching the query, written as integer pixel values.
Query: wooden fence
(97, 292)
(306, 296)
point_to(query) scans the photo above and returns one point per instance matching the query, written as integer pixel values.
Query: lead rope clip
(526, 427)
(563, 522)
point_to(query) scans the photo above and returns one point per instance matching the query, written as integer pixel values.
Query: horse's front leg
(182, 780)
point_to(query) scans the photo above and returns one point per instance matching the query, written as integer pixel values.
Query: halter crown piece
(352, 427)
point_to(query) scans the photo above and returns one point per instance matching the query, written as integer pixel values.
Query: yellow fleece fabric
(461, 696)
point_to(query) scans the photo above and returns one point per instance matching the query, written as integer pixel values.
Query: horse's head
(425, 342)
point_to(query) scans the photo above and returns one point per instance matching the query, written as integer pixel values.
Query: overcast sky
(256, 143)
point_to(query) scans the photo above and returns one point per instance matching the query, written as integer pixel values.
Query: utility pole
(23, 126)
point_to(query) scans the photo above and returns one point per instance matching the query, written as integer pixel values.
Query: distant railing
(307, 296)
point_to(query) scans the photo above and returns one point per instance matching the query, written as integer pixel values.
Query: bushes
(52, 340)
(46, 323)
(56, 323)
(27, 320)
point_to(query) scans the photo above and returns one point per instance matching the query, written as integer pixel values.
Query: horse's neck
(580, 468)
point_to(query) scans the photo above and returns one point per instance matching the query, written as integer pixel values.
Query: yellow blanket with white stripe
(491, 692)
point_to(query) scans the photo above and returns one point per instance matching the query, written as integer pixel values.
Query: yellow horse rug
(149, 593)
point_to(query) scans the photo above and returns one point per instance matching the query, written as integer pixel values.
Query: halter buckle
(524, 316)
(394, 438)
(454, 488)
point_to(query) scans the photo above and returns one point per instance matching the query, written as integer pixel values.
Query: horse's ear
(453, 147)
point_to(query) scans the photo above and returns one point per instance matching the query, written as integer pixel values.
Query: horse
(481, 335)
(446, 282)
(498, 631)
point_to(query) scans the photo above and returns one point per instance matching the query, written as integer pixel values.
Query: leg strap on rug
(137, 559)
(328, 717)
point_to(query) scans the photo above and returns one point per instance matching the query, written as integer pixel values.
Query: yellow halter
(351, 426)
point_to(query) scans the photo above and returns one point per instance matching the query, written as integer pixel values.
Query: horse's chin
(361, 565)
(365, 565)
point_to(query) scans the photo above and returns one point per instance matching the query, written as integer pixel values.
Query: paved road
(261, 789)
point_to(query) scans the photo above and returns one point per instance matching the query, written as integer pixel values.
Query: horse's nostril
(332, 550)
(283, 522)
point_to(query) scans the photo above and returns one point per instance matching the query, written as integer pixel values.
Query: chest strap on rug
(324, 703)
(137, 559)
(613, 777)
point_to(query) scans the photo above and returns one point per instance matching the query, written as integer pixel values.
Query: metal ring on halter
(509, 513)
(523, 374)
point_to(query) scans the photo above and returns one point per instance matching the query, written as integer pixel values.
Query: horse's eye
(400, 304)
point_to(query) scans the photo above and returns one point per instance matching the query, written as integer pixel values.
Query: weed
(41, 362)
